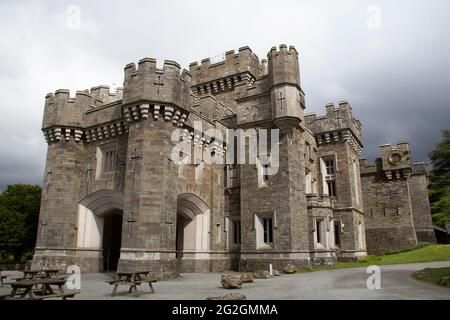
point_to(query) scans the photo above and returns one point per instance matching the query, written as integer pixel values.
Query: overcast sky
(389, 59)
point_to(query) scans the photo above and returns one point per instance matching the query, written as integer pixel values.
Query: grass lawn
(426, 253)
(432, 275)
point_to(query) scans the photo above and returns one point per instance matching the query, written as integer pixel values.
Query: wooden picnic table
(133, 279)
(24, 289)
(40, 273)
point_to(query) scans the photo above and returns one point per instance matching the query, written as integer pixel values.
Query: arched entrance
(193, 226)
(100, 226)
(112, 239)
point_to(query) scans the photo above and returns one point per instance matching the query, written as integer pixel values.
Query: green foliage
(439, 187)
(433, 275)
(423, 253)
(19, 215)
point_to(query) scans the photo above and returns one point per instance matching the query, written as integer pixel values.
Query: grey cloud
(396, 78)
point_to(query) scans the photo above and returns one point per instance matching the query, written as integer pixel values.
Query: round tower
(286, 93)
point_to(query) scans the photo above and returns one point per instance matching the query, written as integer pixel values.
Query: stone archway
(100, 225)
(193, 227)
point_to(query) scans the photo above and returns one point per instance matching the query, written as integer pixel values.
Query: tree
(19, 215)
(12, 235)
(439, 187)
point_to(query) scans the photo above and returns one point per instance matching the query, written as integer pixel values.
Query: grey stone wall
(420, 204)
(389, 220)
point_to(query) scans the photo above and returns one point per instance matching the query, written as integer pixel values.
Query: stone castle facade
(114, 198)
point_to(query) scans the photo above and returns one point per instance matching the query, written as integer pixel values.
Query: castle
(113, 198)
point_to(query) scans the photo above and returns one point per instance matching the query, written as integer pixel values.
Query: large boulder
(290, 268)
(231, 281)
(229, 296)
(276, 273)
(247, 277)
(261, 274)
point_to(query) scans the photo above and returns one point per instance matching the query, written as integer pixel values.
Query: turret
(288, 99)
(148, 84)
(64, 116)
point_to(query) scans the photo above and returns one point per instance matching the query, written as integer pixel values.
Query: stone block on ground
(261, 274)
(247, 277)
(290, 268)
(231, 281)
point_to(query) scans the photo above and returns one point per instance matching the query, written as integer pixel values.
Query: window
(268, 230)
(264, 231)
(337, 234)
(307, 151)
(109, 160)
(265, 175)
(328, 170)
(331, 188)
(236, 231)
(321, 233)
(319, 230)
(329, 165)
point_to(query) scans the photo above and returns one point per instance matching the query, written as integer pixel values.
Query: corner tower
(339, 135)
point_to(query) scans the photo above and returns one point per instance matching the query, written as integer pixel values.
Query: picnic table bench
(132, 279)
(37, 285)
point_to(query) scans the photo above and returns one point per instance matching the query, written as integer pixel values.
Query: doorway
(112, 240)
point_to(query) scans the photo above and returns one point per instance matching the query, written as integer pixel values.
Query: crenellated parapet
(146, 84)
(338, 124)
(394, 163)
(396, 160)
(104, 95)
(63, 110)
(64, 115)
(233, 70)
(283, 66)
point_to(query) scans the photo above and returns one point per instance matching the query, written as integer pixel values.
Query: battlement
(283, 66)
(420, 168)
(231, 64)
(396, 157)
(63, 110)
(282, 49)
(147, 83)
(146, 66)
(336, 119)
(104, 95)
(394, 163)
